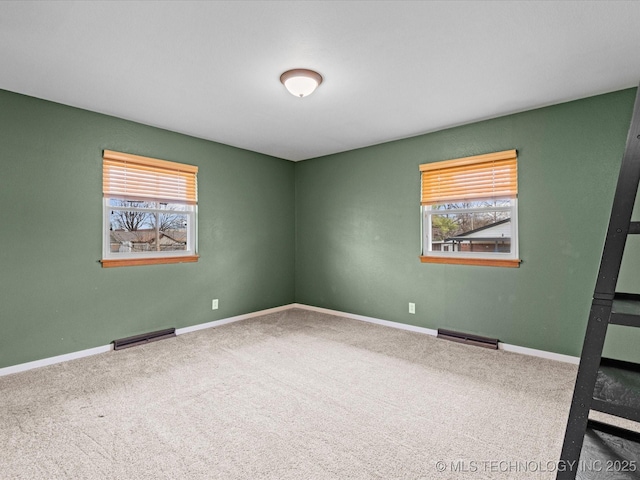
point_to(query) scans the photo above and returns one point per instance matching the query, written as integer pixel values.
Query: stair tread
(625, 309)
(618, 383)
(610, 453)
(634, 228)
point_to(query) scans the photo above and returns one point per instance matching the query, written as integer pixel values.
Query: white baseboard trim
(403, 326)
(539, 353)
(23, 367)
(224, 321)
(362, 318)
(216, 323)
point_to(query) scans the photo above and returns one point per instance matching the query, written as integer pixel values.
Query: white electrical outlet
(214, 304)
(412, 308)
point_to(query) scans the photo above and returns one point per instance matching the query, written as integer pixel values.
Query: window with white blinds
(150, 208)
(469, 210)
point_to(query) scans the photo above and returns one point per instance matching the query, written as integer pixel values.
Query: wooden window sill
(130, 262)
(487, 262)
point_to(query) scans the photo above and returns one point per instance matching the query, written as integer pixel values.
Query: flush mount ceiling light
(301, 82)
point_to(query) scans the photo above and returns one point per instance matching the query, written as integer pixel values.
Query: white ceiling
(391, 69)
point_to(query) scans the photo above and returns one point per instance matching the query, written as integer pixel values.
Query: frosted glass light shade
(301, 82)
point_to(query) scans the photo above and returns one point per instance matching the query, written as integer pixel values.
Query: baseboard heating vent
(468, 339)
(143, 338)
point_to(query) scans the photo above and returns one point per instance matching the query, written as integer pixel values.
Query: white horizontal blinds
(142, 178)
(494, 175)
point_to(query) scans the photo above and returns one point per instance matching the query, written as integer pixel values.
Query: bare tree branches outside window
(137, 226)
(453, 219)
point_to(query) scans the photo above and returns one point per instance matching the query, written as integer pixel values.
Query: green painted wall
(358, 228)
(340, 232)
(56, 298)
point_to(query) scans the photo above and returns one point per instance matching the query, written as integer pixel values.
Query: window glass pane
(173, 231)
(131, 221)
(178, 207)
(485, 231)
(488, 203)
(132, 231)
(119, 202)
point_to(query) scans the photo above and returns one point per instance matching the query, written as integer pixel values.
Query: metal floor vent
(144, 338)
(468, 339)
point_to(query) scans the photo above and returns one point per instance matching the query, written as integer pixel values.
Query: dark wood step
(634, 228)
(617, 389)
(626, 310)
(609, 453)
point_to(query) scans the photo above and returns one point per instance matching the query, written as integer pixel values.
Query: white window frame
(191, 249)
(428, 211)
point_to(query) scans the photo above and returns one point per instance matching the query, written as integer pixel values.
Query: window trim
(123, 192)
(152, 257)
(513, 254)
(487, 262)
(131, 262)
(507, 189)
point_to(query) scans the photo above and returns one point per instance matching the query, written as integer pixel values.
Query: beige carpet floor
(290, 395)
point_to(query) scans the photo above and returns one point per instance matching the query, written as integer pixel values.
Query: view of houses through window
(478, 226)
(136, 226)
